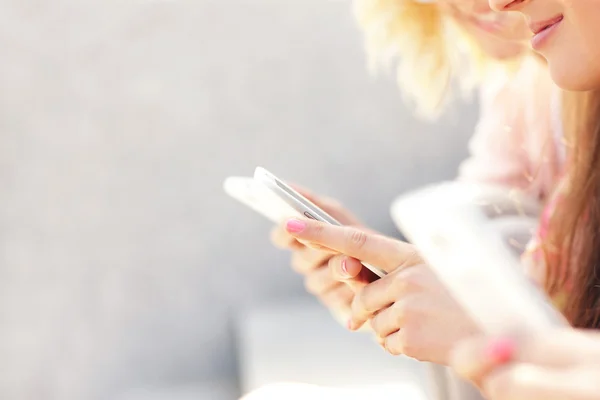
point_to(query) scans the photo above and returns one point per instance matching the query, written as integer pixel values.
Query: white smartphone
(277, 201)
(259, 198)
(472, 258)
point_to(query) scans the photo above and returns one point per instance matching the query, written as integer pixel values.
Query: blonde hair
(430, 52)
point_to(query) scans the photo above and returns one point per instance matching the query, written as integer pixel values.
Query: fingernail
(345, 269)
(501, 350)
(295, 226)
(350, 324)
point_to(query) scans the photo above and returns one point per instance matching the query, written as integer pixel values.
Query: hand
(562, 364)
(409, 309)
(351, 244)
(312, 263)
(412, 313)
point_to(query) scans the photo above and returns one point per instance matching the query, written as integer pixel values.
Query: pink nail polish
(295, 226)
(349, 324)
(501, 350)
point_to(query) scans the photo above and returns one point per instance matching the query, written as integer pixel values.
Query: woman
(561, 365)
(437, 43)
(509, 148)
(565, 34)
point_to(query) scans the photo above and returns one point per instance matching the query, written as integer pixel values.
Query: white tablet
(459, 239)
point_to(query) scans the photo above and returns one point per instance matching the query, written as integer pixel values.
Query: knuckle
(398, 286)
(395, 351)
(317, 230)
(375, 324)
(406, 342)
(412, 256)
(412, 283)
(393, 345)
(401, 312)
(356, 238)
(361, 300)
(410, 279)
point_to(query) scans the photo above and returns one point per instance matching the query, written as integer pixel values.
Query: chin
(504, 51)
(503, 55)
(574, 79)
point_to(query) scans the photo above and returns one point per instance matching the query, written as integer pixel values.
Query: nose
(506, 5)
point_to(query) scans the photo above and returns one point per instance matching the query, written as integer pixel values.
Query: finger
(343, 268)
(389, 320)
(381, 251)
(394, 343)
(283, 240)
(560, 348)
(534, 382)
(305, 260)
(338, 298)
(315, 246)
(350, 271)
(475, 357)
(319, 281)
(378, 295)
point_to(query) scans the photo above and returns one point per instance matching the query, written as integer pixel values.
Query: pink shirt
(518, 143)
(515, 139)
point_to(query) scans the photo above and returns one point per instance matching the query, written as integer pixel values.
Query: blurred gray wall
(122, 263)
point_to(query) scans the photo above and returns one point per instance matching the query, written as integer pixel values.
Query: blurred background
(125, 272)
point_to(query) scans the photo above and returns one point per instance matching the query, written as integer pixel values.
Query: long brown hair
(573, 246)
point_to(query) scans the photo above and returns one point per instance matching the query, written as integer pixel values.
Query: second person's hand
(552, 365)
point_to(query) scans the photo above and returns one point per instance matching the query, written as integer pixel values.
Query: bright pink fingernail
(501, 350)
(295, 226)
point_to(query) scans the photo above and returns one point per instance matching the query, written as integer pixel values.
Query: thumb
(351, 272)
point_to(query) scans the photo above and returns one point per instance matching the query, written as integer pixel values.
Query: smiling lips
(542, 30)
(538, 27)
